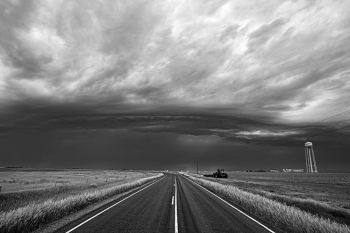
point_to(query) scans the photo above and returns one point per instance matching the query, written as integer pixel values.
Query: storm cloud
(270, 74)
(289, 59)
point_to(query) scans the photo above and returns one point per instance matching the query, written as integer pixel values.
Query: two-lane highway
(201, 211)
(171, 204)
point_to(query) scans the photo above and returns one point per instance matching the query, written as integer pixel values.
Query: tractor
(218, 174)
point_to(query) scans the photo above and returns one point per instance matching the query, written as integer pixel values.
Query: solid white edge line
(240, 211)
(112, 206)
(176, 224)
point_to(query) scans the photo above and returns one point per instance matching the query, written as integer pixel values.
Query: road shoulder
(86, 212)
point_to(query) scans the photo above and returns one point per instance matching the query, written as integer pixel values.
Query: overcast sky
(162, 84)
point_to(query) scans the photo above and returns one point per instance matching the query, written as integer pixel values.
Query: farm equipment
(218, 174)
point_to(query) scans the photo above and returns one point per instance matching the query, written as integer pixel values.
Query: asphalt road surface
(170, 204)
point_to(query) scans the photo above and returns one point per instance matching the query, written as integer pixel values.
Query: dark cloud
(229, 33)
(264, 33)
(253, 77)
(160, 141)
(202, 54)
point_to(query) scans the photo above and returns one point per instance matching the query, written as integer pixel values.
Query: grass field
(33, 198)
(323, 194)
(28, 180)
(275, 212)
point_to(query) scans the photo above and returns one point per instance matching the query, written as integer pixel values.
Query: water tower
(310, 158)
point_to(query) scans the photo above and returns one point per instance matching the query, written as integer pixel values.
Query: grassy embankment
(277, 214)
(318, 208)
(22, 187)
(56, 203)
(326, 195)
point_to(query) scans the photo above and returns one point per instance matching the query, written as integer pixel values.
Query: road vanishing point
(171, 204)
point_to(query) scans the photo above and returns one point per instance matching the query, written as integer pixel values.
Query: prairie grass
(330, 188)
(277, 214)
(29, 180)
(323, 194)
(20, 188)
(31, 216)
(318, 208)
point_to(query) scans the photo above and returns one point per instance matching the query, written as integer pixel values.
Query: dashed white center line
(172, 200)
(176, 224)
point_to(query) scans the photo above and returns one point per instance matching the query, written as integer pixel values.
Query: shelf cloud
(289, 59)
(283, 66)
